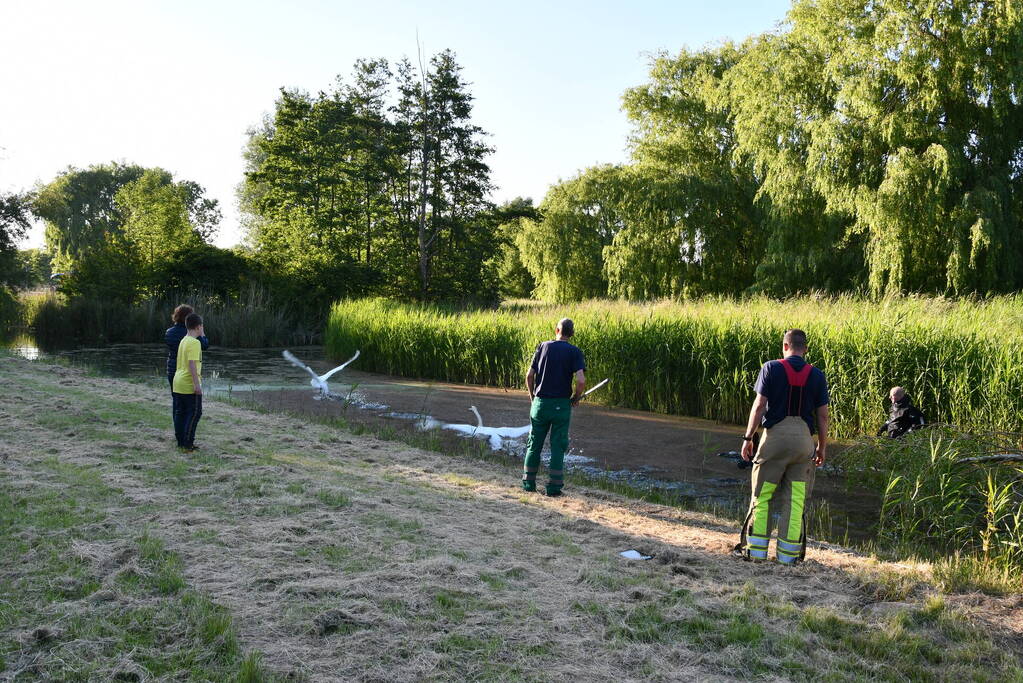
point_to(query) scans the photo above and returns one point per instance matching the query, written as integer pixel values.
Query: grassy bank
(961, 361)
(967, 516)
(252, 321)
(295, 550)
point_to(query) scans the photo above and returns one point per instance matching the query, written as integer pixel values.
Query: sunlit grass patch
(459, 480)
(958, 574)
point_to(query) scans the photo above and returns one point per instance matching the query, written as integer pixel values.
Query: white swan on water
(497, 435)
(318, 381)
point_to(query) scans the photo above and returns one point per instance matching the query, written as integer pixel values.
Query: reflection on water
(222, 369)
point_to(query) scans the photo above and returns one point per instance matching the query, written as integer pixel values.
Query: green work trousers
(547, 415)
(782, 478)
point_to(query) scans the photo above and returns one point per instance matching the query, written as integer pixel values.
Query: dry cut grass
(289, 550)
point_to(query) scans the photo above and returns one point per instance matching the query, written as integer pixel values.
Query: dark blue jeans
(187, 411)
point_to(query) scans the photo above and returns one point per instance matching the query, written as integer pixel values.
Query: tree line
(863, 146)
(379, 186)
(873, 147)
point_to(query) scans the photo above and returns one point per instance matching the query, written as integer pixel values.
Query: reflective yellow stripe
(762, 514)
(796, 510)
(787, 559)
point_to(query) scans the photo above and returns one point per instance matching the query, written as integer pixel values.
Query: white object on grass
(318, 381)
(497, 435)
(634, 555)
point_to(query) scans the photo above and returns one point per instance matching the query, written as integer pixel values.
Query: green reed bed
(252, 320)
(938, 503)
(962, 361)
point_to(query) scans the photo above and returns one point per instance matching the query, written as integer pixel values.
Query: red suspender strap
(796, 379)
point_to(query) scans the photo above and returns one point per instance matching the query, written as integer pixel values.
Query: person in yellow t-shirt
(187, 384)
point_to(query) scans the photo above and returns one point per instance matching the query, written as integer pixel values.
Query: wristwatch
(747, 438)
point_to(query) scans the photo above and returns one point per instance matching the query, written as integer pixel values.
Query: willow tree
(690, 223)
(79, 210)
(895, 125)
(564, 250)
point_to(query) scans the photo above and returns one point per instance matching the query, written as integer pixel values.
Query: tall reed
(254, 320)
(961, 361)
(936, 504)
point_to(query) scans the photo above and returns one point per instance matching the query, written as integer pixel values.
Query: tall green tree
(443, 181)
(109, 225)
(563, 251)
(690, 220)
(156, 221)
(514, 279)
(897, 125)
(79, 210)
(389, 196)
(14, 223)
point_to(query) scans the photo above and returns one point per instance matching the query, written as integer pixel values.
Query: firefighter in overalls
(791, 405)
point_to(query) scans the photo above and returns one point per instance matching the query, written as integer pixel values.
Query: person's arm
(531, 383)
(196, 384)
(756, 414)
(823, 418)
(580, 386)
(203, 341)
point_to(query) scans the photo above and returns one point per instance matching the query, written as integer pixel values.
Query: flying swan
(497, 435)
(318, 381)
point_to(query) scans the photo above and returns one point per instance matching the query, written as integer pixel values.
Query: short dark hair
(567, 327)
(182, 312)
(795, 338)
(193, 321)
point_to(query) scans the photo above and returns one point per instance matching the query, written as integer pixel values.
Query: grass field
(294, 551)
(962, 361)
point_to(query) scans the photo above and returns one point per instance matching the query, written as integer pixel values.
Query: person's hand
(747, 450)
(819, 455)
(202, 330)
(198, 390)
(575, 400)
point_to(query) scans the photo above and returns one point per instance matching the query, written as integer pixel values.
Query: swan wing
(512, 432)
(340, 367)
(464, 429)
(290, 357)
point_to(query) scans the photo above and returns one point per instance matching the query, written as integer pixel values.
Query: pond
(676, 455)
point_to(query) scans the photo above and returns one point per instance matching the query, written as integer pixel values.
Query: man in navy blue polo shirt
(549, 381)
(792, 403)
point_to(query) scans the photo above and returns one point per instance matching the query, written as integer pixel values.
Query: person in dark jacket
(173, 338)
(556, 366)
(903, 416)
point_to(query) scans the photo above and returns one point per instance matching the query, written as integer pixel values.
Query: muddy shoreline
(644, 450)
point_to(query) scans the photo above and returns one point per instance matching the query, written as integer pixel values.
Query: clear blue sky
(176, 83)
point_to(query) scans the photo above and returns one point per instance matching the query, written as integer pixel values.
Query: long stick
(1001, 457)
(595, 387)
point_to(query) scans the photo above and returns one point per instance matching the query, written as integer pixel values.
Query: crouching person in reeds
(791, 404)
